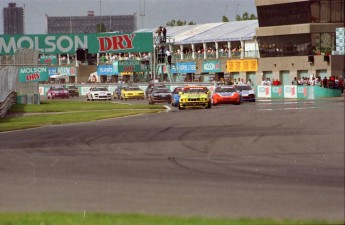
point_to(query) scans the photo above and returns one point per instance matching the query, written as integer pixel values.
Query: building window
(313, 11)
(284, 14)
(337, 11)
(285, 45)
(326, 11)
(323, 43)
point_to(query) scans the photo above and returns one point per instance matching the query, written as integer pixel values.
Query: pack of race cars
(194, 96)
(183, 97)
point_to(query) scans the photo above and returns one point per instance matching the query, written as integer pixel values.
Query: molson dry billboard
(33, 74)
(69, 43)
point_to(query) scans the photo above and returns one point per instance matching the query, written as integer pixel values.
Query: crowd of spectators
(333, 82)
(109, 57)
(210, 52)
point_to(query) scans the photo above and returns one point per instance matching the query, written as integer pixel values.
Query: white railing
(10, 86)
(8, 96)
(8, 80)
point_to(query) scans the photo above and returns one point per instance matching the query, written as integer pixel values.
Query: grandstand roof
(211, 32)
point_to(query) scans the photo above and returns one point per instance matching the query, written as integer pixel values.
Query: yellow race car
(132, 93)
(195, 97)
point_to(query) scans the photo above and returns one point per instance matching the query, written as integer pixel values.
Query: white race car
(247, 92)
(98, 93)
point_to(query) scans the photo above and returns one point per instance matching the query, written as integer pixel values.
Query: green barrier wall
(29, 99)
(271, 92)
(295, 92)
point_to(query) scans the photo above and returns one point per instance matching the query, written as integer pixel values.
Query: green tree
(246, 16)
(100, 28)
(173, 23)
(225, 19)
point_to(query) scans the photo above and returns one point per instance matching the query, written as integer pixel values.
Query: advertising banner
(185, 67)
(106, 70)
(48, 59)
(302, 91)
(69, 43)
(173, 69)
(33, 74)
(52, 71)
(211, 66)
(243, 65)
(116, 67)
(290, 91)
(277, 92)
(264, 91)
(66, 71)
(131, 66)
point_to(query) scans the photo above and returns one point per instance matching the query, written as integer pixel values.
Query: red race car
(57, 92)
(226, 94)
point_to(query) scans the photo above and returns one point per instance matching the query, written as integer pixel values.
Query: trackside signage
(184, 67)
(48, 59)
(211, 66)
(131, 66)
(68, 43)
(33, 74)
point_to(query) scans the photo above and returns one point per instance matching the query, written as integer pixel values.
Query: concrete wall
(83, 72)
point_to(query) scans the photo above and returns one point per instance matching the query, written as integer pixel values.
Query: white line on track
(291, 108)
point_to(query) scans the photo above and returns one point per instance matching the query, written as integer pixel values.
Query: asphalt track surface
(271, 159)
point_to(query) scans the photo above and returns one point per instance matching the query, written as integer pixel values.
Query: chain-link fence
(9, 79)
(26, 57)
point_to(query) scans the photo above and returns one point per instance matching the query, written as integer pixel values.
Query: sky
(150, 13)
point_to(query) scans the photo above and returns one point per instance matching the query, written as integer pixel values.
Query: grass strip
(68, 106)
(60, 112)
(25, 122)
(134, 219)
(69, 112)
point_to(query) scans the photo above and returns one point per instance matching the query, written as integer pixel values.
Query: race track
(272, 159)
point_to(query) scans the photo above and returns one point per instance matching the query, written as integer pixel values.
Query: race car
(195, 97)
(73, 90)
(247, 92)
(132, 93)
(150, 88)
(226, 94)
(159, 94)
(98, 93)
(175, 96)
(57, 92)
(117, 92)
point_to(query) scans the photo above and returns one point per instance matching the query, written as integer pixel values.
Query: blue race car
(175, 96)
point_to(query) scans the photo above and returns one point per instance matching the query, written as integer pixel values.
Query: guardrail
(7, 102)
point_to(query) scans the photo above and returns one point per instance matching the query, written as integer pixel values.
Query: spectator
(341, 85)
(159, 34)
(164, 32)
(325, 82)
(263, 82)
(268, 81)
(276, 82)
(103, 58)
(249, 82)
